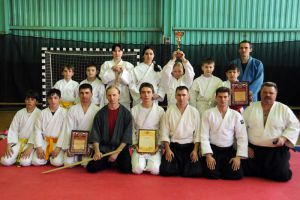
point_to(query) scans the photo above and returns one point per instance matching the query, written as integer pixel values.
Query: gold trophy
(178, 35)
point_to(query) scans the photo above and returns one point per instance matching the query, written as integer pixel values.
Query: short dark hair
(246, 41)
(53, 91)
(32, 94)
(147, 85)
(232, 67)
(91, 64)
(182, 87)
(269, 84)
(86, 86)
(68, 66)
(117, 45)
(208, 61)
(223, 90)
(111, 87)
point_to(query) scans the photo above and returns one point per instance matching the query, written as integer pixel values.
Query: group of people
(200, 133)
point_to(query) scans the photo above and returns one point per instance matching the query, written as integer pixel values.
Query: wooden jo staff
(80, 162)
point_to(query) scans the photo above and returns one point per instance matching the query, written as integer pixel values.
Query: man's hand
(169, 155)
(55, 152)
(40, 153)
(211, 162)
(97, 155)
(113, 157)
(279, 142)
(27, 152)
(236, 163)
(9, 151)
(194, 156)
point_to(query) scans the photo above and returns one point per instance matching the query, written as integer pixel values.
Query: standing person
(67, 87)
(97, 85)
(20, 133)
(112, 130)
(180, 134)
(147, 71)
(220, 128)
(117, 72)
(175, 74)
(146, 115)
(251, 69)
(272, 127)
(204, 87)
(79, 117)
(48, 127)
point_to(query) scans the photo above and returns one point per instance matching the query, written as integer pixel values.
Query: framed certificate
(79, 142)
(240, 93)
(147, 141)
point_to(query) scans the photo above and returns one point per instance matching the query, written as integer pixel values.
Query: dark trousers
(223, 168)
(269, 162)
(123, 163)
(181, 163)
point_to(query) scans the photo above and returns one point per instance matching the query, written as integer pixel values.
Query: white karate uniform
(223, 132)
(170, 83)
(68, 89)
(181, 128)
(108, 77)
(21, 128)
(146, 118)
(48, 126)
(281, 122)
(145, 73)
(76, 119)
(99, 96)
(203, 92)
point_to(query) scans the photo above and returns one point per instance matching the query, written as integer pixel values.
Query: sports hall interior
(211, 29)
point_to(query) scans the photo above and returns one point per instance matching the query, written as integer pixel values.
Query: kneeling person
(146, 115)
(180, 134)
(112, 130)
(220, 128)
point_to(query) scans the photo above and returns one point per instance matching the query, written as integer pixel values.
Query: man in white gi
(180, 134)
(20, 133)
(79, 117)
(220, 128)
(117, 72)
(146, 115)
(272, 128)
(176, 73)
(48, 126)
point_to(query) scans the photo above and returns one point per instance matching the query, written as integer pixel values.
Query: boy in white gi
(204, 87)
(79, 117)
(146, 115)
(98, 87)
(180, 134)
(220, 128)
(20, 133)
(175, 74)
(67, 87)
(48, 127)
(272, 128)
(147, 71)
(117, 72)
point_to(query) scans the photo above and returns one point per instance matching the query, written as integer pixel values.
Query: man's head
(245, 48)
(208, 66)
(68, 72)
(146, 92)
(31, 99)
(85, 93)
(113, 94)
(232, 73)
(268, 93)
(182, 95)
(91, 71)
(222, 96)
(53, 97)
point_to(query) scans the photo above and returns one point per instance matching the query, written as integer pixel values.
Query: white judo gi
(145, 73)
(203, 92)
(47, 129)
(108, 77)
(68, 90)
(146, 118)
(170, 83)
(76, 119)
(20, 133)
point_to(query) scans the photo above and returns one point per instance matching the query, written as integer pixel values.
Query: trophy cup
(178, 35)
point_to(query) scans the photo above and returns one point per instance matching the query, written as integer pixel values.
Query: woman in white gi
(48, 126)
(117, 72)
(175, 74)
(20, 133)
(147, 71)
(146, 115)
